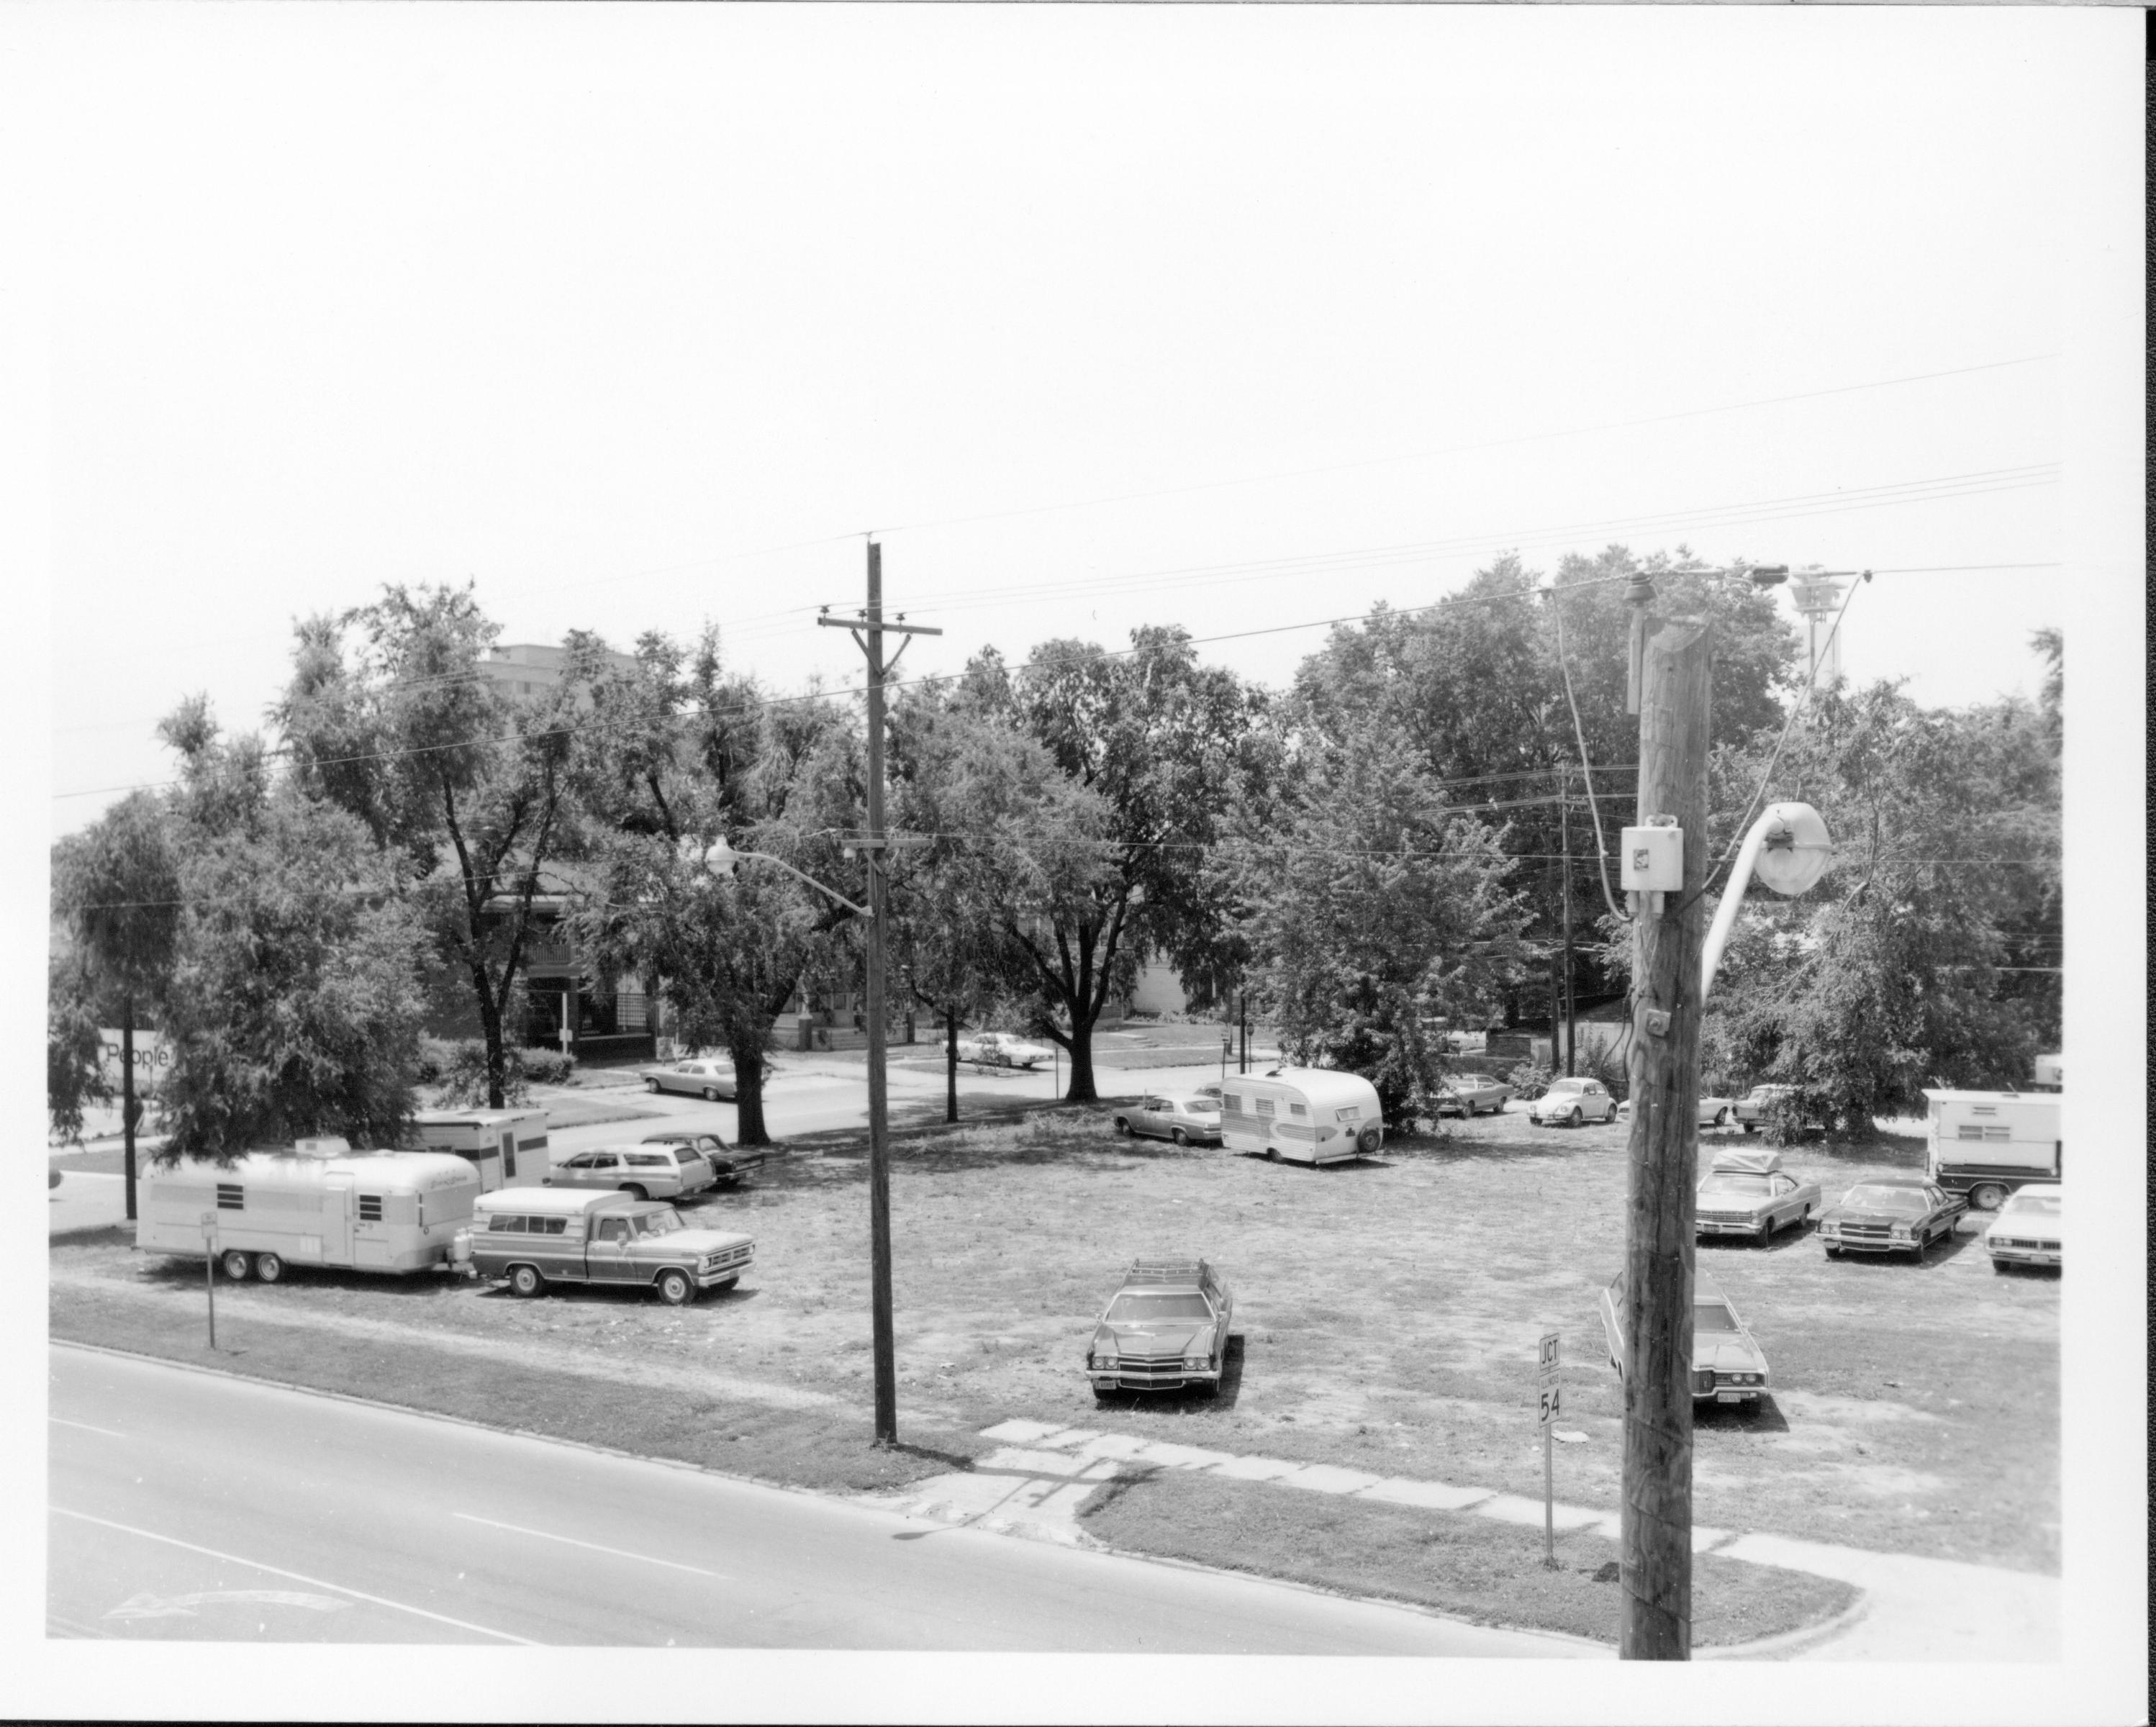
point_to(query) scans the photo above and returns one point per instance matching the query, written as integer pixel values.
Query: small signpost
(209, 1270)
(1549, 1402)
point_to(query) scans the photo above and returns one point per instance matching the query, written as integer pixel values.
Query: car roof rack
(1167, 1271)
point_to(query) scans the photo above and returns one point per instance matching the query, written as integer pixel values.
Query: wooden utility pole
(1676, 686)
(869, 631)
(1564, 827)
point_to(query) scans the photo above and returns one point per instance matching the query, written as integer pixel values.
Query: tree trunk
(490, 1025)
(127, 1094)
(750, 1073)
(951, 1062)
(1081, 1047)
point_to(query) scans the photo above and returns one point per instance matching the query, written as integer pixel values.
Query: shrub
(1530, 1080)
(1794, 1116)
(436, 1055)
(548, 1066)
(463, 1074)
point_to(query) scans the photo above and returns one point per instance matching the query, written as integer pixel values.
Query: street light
(1788, 846)
(720, 859)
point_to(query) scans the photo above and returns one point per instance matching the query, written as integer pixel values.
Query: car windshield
(1203, 1106)
(1713, 1316)
(1887, 1199)
(2032, 1205)
(658, 1223)
(1135, 1307)
(1738, 1187)
(1567, 1086)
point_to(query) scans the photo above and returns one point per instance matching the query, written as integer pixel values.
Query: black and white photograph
(1077, 862)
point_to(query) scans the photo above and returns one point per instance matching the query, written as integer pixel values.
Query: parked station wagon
(640, 1171)
(534, 1237)
(729, 1165)
(1165, 1328)
(709, 1077)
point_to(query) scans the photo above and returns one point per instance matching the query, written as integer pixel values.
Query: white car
(1713, 1111)
(2030, 1229)
(1572, 1101)
(1000, 1049)
(709, 1077)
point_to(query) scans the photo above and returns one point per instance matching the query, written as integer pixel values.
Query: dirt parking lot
(1387, 1311)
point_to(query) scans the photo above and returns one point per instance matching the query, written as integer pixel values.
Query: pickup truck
(534, 1237)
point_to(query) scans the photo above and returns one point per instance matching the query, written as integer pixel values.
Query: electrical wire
(1593, 805)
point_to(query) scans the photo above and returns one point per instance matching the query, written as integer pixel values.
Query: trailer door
(336, 1218)
(508, 1154)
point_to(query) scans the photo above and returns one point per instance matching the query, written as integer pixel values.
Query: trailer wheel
(1370, 1137)
(525, 1280)
(269, 1266)
(236, 1264)
(1986, 1195)
(674, 1289)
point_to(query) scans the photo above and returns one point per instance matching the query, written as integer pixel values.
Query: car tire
(1123, 1127)
(1987, 1196)
(1272, 1154)
(525, 1280)
(1578, 1116)
(1999, 1266)
(651, 1085)
(1751, 1126)
(269, 1266)
(235, 1264)
(710, 1094)
(1833, 1252)
(1721, 1118)
(674, 1288)
(1180, 1137)
(635, 1191)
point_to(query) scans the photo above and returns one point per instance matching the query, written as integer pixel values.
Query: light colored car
(640, 1171)
(1727, 1364)
(1000, 1049)
(1472, 1094)
(1713, 1111)
(1186, 1121)
(1748, 1193)
(2030, 1229)
(1165, 1328)
(1890, 1215)
(709, 1077)
(1749, 1112)
(1573, 1101)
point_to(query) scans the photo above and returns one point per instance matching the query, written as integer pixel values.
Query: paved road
(185, 1506)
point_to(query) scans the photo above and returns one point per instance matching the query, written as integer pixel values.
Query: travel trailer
(1986, 1144)
(322, 1204)
(1311, 1115)
(508, 1147)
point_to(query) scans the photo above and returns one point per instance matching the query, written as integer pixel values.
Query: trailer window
(1265, 1106)
(1297, 1110)
(231, 1196)
(1981, 1130)
(1353, 1112)
(370, 1208)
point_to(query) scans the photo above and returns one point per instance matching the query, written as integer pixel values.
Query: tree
(1374, 912)
(116, 886)
(1902, 968)
(292, 1006)
(673, 755)
(468, 783)
(1157, 741)
(1478, 684)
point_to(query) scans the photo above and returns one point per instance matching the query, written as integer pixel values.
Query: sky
(1098, 319)
(1237, 318)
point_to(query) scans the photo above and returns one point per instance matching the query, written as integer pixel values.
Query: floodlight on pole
(1788, 846)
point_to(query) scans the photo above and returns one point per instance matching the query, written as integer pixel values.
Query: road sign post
(209, 1270)
(1549, 1399)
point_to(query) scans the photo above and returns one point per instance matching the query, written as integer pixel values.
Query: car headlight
(1197, 1362)
(1897, 1232)
(1104, 1361)
(1829, 1228)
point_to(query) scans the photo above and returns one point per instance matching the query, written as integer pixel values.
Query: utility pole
(869, 631)
(1564, 827)
(1675, 666)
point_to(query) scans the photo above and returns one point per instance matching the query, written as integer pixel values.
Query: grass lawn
(1387, 1311)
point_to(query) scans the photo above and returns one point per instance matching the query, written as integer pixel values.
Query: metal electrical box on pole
(1666, 865)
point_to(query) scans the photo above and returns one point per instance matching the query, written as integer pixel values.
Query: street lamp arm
(829, 893)
(720, 858)
(1795, 832)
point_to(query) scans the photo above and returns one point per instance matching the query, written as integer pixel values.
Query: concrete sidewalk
(1913, 1609)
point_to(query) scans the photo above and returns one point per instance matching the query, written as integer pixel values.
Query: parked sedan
(2030, 1229)
(1727, 1364)
(1750, 1111)
(1186, 1121)
(1000, 1049)
(1471, 1094)
(1748, 1193)
(1572, 1101)
(1892, 1215)
(641, 1172)
(1166, 1327)
(729, 1165)
(708, 1076)
(1712, 1111)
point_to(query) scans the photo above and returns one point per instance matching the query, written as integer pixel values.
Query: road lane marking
(517, 1529)
(62, 1420)
(145, 1605)
(379, 1601)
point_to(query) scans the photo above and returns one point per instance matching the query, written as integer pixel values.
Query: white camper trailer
(1986, 1144)
(1302, 1115)
(508, 1147)
(391, 1212)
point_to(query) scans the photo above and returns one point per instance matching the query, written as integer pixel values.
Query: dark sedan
(1895, 1214)
(729, 1165)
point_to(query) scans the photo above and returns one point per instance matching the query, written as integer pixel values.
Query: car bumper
(1868, 1244)
(1151, 1379)
(1730, 1394)
(1728, 1225)
(2027, 1256)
